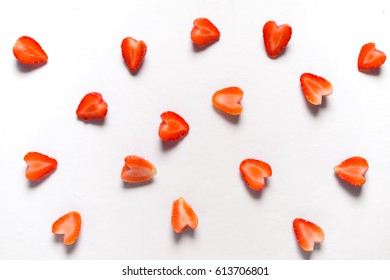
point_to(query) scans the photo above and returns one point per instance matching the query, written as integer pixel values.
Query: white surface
(301, 143)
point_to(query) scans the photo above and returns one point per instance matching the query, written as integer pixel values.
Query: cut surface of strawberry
(133, 52)
(352, 170)
(276, 37)
(183, 216)
(92, 107)
(228, 100)
(28, 51)
(137, 170)
(69, 225)
(39, 165)
(307, 234)
(173, 127)
(315, 87)
(204, 32)
(370, 57)
(254, 172)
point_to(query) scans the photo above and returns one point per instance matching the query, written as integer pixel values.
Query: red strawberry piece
(69, 225)
(314, 87)
(228, 100)
(28, 51)
(172, 127)
(183, 216)
(276, 37)
(133, 53)
(39, 165)
(307, 234)
(92, 106)
(352, 170)
(254, 172)
(204, 32)
(370, 57)
(137, 170)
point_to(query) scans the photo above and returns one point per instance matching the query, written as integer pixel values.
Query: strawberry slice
(39, 165)
(69, 225)
(276, 37)
(352, 170)
(172, 127)
(92, 106)
(204, 32)
(28, 51)
(133, 53)
(307, 234)
(314, 87)
(183, 216)
(137, 170)
(370, 57)
(228, 100)
(254, 171)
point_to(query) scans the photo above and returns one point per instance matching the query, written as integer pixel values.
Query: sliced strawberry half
(173, 127)
(137, 170)
(69, 225)
(183, 216)
(370, 57)
(352, 170)
(204, 32)
(228, 100)
(28, 51)
(314, 87)
(276, 37)
(307, 234)
(133, 53)
(92, 106)
(39, 165)
(254, 172)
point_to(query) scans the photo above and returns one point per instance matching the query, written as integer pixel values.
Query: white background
(302, 143)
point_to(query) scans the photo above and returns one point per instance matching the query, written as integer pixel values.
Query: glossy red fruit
(133, 52)
(28, 51)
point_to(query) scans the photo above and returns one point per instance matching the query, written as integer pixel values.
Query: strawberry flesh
(352, 170)
(183, 216)
(173, 127)
(314, 87)
(370, 58)
(39, 165)
(92, 106)
(228, 100)
(133, 52)
(137, 170)
(69, 225)
(27, 51)
(276, 37)
(307, 234)
(204, 32)
(254, 172)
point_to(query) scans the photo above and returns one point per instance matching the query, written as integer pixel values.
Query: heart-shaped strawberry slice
(370, 57)
(183, 216)
(254, 172)
(352, 170)
(314, 87)
(39, 165)
(28, 51)
(204, 32)
(307, 233)
(276, 37)
(133, 52)
(69, 225)
(172, 127)
(92, 107)
(137, 170)
(228, 100)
